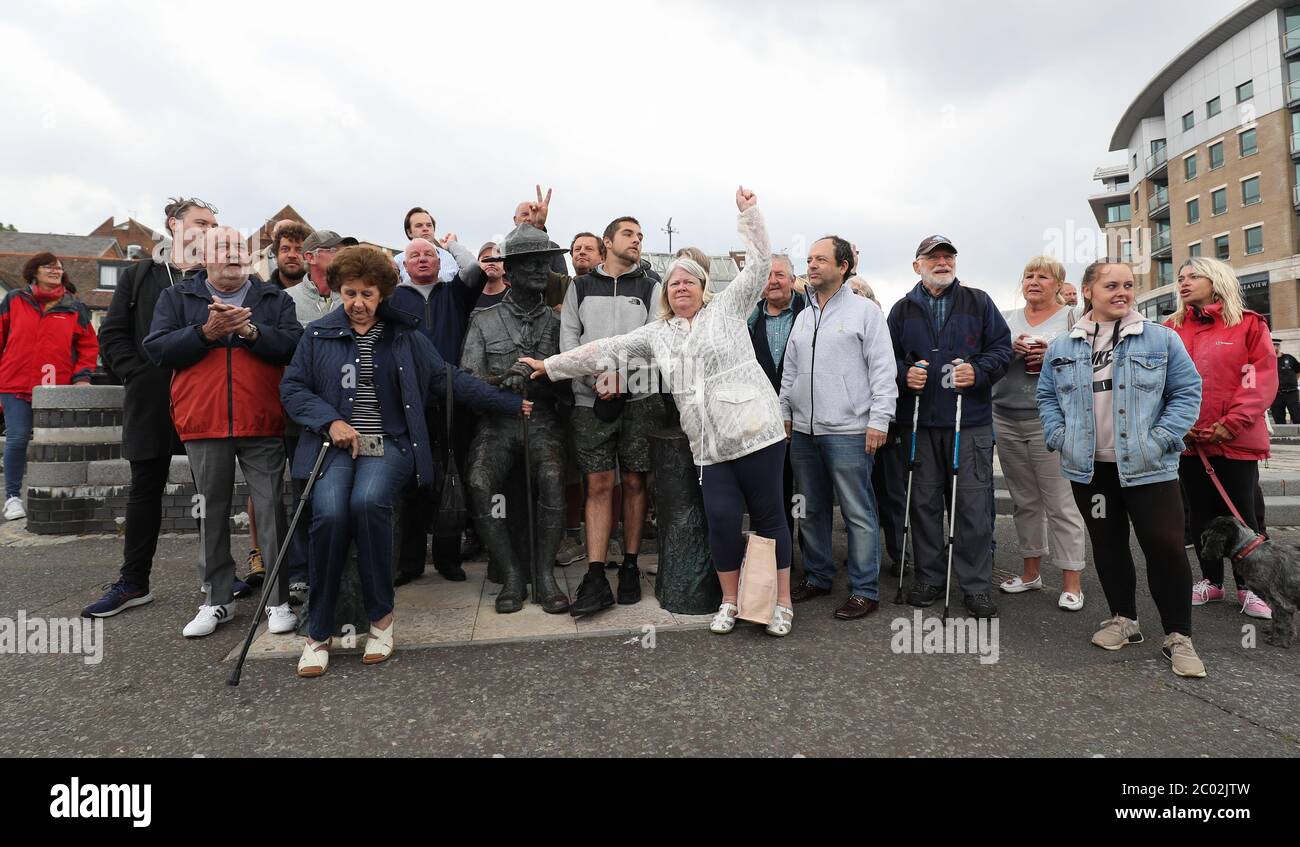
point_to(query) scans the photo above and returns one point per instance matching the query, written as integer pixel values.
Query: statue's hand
(514, 381)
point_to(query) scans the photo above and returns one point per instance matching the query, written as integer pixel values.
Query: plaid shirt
(939, 308)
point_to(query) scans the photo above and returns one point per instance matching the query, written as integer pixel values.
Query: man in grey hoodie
(838, 396)
(614, 413)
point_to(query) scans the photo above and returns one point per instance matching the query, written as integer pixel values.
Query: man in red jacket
(227, 337)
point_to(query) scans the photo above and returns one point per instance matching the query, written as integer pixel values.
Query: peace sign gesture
(539, 210)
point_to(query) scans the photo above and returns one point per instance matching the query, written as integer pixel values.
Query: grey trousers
(931, 487)
(212, 461)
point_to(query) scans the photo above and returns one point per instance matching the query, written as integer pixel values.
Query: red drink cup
(1038, 346)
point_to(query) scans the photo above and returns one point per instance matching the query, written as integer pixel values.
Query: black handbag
(452, 513)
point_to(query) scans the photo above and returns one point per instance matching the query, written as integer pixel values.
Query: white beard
(936, 283)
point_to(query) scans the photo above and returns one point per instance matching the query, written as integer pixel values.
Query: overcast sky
(883, 122)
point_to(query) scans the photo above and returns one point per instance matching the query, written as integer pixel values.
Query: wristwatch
(252, 334)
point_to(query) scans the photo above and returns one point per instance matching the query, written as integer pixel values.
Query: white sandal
(1070, 601)
(379, 646)
(314, 660)
(1016, 585)
(725, 620)
(782, 622)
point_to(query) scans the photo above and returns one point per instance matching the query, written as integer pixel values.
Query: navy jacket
(975, 331)
(409, 372)
(758, 335)
(444, 317)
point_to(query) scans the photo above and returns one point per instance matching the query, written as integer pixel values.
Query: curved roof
(1151, 102)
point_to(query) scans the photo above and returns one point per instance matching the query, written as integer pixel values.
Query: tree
(4, 227)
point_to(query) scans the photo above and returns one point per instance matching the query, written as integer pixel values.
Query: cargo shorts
(625, 443)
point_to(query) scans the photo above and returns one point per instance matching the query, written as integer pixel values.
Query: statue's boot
(550, 534)
(496, 539)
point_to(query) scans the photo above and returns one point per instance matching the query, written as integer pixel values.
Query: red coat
(54, 347)
(1239, 377)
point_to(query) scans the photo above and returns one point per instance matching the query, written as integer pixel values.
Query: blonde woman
(1044, 503)
(1233, 351)
(729, 410)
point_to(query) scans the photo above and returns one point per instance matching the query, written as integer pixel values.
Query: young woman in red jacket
(1233, 351)
(46, 338)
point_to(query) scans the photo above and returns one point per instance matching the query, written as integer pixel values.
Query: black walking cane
(275, 569)
(907, 507)
(528, 493)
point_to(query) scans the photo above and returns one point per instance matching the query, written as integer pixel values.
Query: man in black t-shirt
(1288, 396)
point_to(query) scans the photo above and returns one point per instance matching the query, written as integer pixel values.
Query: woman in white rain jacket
(729, 411)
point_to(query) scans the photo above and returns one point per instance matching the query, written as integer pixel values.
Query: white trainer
(14, 509)
(207, 620)
(725, 620)
(281, 619)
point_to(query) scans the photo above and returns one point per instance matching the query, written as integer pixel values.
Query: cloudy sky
(883, 122)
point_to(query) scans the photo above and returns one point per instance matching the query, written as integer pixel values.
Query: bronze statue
(520, 325)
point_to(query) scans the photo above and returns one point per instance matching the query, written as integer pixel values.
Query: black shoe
(629, 585)
(594, 594)
(454, 573)
(403, 577)
(895, 570)
(924, 596)
(981, 606)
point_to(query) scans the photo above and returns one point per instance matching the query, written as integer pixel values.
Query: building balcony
(1158, 164)
(1293, 94)
(1158, 203)
(1162, 244)
(1291, 44)
(1295, 194)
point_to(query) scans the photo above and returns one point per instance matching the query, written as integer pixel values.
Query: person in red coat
(46, 338)
(1233, 351)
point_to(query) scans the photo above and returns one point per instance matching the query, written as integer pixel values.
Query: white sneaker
(1070, 601)
(280, 619)
(14, 509)
(207, 620)
(725, 620)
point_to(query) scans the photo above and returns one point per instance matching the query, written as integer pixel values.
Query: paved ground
(830, 689)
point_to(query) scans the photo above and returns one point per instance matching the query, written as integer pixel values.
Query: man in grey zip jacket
(615, 298)
(839, 391)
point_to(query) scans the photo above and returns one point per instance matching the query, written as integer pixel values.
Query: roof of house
(60, 245)
(722, 269)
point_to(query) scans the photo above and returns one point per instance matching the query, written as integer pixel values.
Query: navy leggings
(751, 483)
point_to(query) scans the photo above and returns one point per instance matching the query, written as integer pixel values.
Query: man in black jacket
(769, 330)
(1288, 394)
(148, 437)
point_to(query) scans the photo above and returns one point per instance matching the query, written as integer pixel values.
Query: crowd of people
(795, 394)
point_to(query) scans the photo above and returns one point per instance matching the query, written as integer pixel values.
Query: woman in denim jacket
(1116, 396)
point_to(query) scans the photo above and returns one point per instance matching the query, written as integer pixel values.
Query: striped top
(366, 418)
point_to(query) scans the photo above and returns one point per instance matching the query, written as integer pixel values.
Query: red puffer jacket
(1239, 378)
(54, 347)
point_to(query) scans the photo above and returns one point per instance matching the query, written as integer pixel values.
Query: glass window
(1126, 251)
(1221, 247)
(1118, 213)
(108, 276)
(1245, 91)
(1189, 166)
(1250, 191)
(1216, 155)
(1254, 240)
(1249, 147)
(1194, 250)
(1213, 108)
(1219, 202)
(1255, 295)
(1164, 272)
(1193, 210)
(1189, 121)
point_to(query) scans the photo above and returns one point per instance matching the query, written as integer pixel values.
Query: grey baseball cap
(934, 241)
(326, 238)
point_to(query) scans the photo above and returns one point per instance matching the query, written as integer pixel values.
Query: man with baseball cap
(949, 339)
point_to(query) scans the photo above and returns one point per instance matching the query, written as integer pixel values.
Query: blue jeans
(353, 501)
(840, 463)
(18, 434)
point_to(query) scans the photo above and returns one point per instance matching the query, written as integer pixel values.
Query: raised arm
(739, 297)
(604, 354)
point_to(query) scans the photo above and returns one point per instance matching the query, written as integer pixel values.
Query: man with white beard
(949, 339)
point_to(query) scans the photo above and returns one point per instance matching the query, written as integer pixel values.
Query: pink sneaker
(1253, 607)
(1206, 592)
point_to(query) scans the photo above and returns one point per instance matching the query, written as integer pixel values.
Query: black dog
(1271, 570)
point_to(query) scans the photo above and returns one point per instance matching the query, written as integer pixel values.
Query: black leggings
(1156, 511)
(1240, 479)
(751, 483)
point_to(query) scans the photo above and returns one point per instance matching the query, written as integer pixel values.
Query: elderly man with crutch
(950, 338)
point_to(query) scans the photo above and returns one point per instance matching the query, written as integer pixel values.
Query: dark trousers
(747, 484)
(972, 552)
(420, 505)
(143, 519)
(1287, 401)
(1240, 479)
(889, 482)
(295, 560)
(1155, 513)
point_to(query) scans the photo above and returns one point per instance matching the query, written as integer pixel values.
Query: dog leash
(1209, 469)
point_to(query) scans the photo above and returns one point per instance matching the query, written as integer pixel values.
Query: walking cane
(275, 569)
(528, 493)
(907, 508)
(952, 507)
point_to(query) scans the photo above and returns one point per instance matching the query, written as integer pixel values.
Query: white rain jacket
(727, 405)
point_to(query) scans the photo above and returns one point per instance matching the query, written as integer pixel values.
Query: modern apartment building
(1212, 167)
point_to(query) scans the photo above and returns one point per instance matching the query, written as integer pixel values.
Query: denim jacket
(1157, 399)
